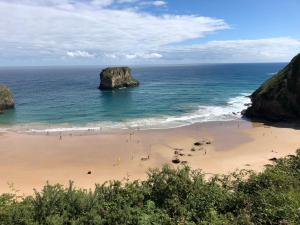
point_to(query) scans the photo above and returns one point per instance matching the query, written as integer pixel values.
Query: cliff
(117, 77)
(278, 99)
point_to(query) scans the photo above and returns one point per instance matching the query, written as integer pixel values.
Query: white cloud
(102, 2)
(256, 50)
(127, 1)
(52, 3)
(51, 29)
(80, 54)
(152, 56)
(45, 26)
(131, 56)
(88, 4)
(159, 3)
(143, 56)
(264, 50)
(153, 3)
(112, 56)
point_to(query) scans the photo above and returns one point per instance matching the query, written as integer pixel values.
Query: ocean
(66, 98)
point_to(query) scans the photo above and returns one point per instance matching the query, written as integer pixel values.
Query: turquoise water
(67, 97)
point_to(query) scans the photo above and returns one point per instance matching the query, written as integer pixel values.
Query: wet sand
(28, 161)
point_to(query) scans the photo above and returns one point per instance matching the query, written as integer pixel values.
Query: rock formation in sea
(6, 98)
(117, 77)
(278, 99)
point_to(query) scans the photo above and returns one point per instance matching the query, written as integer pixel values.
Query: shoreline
(29, 161)
(66, 129)
(85, 130)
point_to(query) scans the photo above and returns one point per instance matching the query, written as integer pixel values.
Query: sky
(142, 32)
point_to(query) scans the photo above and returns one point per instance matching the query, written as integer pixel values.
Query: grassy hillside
(168, 196)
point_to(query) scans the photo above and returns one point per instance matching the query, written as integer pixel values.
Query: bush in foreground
(168, 196)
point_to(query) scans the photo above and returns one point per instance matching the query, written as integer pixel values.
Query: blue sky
(249, 19)
(118, 32)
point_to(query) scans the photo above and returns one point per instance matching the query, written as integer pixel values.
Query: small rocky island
(6, 99)
(117, 77)
(278, 99)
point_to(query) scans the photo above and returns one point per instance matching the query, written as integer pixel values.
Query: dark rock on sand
(6, 98)
(197, 143)
(117, 77)
(278, 99)
(273, 159)
(176, 161)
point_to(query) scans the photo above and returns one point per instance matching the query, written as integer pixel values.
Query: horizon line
(139, 65)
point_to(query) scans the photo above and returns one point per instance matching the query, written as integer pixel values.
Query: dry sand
(28, 161)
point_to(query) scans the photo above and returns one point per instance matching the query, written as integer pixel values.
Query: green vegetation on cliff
(168, 196)
(278, 99)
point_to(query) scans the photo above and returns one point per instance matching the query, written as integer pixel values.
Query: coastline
(29, 161)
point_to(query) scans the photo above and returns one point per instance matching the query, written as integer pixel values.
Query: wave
(272, 74)
(230, 111)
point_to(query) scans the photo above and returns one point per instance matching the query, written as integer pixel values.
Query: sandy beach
(30, 160)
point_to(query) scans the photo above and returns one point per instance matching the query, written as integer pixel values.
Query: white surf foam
(3, 130)
(271, 74)
(229, 112)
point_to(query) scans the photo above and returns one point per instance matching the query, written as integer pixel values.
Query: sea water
(67, 98)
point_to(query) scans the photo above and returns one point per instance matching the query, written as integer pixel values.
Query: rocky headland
(278, 99)
(117, 77)
(6, 98)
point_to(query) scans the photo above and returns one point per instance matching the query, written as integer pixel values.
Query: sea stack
(6, 99)
(278, 99)
(117, 77)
